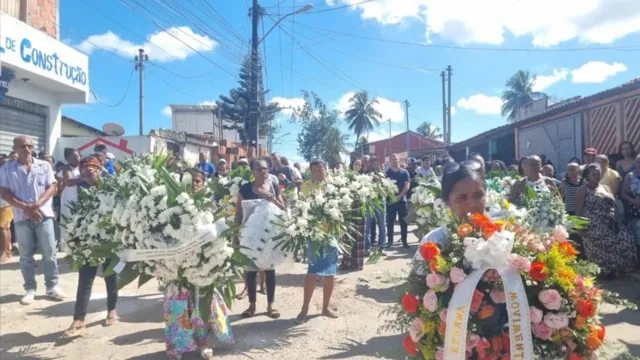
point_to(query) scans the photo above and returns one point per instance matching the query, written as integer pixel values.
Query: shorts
(6, 216)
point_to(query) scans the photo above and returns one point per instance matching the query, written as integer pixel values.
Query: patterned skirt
(184, 328)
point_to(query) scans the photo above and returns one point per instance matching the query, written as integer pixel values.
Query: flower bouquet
(546, 209)
(225, 189)
(150, 225)
(496, 290)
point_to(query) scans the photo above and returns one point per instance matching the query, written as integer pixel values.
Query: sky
(394, 49)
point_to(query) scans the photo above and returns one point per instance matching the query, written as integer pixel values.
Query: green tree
(519, 92)
(363, 145)
(429, 131)
(235, 107)
(320, 137)
(362, 115)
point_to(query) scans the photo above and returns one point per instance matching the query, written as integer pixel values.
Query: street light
(303, 9)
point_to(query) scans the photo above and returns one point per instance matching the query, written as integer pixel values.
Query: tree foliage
(362, 115)
(518, 93)
(320, 137)
(429, 131)
(235, 107)
(362, 145)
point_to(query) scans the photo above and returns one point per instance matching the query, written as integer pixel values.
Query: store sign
(6, 76)
(29, 49)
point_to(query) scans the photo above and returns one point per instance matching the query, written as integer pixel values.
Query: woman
(605, 242)
(322, 262)
(497, 165)
(184, 328)
(569, 187)
(628, 162)
(90, 170)
(356, 166)
(261, 188)
(631, 195)
(71, 179)
(532, 178)
(464, 191)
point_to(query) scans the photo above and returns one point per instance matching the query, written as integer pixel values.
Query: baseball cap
(111, 156)
(222, 161)
(590, 151)
(243, 161)
(412, 160)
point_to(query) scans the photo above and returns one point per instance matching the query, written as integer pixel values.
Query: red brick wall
(43, 15)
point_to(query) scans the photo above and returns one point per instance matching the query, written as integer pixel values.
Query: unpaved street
(33, 332)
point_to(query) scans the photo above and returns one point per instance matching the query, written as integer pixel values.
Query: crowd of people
(35, 191)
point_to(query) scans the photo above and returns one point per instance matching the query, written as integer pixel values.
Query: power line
(337, 8)
(453, 47)
(266, 73)
(293, 32)
(280, 42)
(178, 75)
(125, 92)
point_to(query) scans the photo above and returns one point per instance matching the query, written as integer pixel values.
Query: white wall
(200, 122)
(29, 92)
(136, 144)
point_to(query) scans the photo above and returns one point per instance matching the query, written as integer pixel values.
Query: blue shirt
(207, 168)
(400, 177)
(28, 187)
(109, 167)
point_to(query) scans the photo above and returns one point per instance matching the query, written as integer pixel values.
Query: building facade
(418, 145)
(71, 127)
(38, 75)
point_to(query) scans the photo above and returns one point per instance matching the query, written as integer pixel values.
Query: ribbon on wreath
(521, 342)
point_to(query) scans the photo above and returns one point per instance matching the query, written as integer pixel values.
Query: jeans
(85, 283)
(28, 234)
(379, 217)
(270, 282)
(397, 209)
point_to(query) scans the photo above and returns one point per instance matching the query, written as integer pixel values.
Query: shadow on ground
(385, 296)
(389, 346)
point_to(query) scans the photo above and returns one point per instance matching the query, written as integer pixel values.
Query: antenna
(113, 129)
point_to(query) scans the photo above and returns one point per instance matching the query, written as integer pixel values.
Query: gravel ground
(33, 332)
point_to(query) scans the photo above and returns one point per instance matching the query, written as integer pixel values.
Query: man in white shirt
(28, 185)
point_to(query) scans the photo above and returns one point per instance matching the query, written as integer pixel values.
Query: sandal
(301, 319)
(206, 353)
(274, 314)
(247, 314)
(74, 331)
(111, 320)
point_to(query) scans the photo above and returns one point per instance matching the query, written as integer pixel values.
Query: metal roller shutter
(18, 117)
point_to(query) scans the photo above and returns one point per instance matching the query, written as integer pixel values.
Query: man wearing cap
(102, 149)
(221, 169)
(243, 162)
(205, 165)
(412, 167)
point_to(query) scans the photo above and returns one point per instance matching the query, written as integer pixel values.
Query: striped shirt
(28, 187)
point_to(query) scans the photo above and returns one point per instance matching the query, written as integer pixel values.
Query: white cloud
(547, 22)
(544, 81)
(388, 109)
(453, 110)
(482, 104)
(163, 46)
(288, 104)
(596, 72)
(166, 111)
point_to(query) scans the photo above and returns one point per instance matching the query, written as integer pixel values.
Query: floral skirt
(184, 328)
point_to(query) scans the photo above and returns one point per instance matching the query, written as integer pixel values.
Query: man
(375, 218)
(243, 162)
(28, 185)
(108, 165)
(205, 165)
(588, 157)
(610, 177)
(398, 206)
(366, 166)
(6, 216)
(532, 177)
(296, 176)
(284, 175)
(412, 167)
(477, 157)
(425, 171)
(550, 172)
(221, 169)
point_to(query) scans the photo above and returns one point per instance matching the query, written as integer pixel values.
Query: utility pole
(449, 73)
(251, 124)
(389, 121)
(140, 59)
(406, 109)
(444, 109)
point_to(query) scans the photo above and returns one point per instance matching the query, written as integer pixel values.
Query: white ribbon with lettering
(209, 234)
(517, 308)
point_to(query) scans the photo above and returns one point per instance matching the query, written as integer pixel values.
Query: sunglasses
(450, 168)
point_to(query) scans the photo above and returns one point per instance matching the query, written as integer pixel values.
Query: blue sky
(468, 26)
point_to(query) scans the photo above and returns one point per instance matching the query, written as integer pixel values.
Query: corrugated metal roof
(203, 108)
(554, 109)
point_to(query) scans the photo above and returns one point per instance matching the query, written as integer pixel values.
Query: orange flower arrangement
(538, 271)
(464, 230)
(479, 220)
(574, 356)
(429, 251)
(433, 265)
(585, 308)
(486, 312)
(567, 249)
(488, 229)
(579, 322)
(595, 337)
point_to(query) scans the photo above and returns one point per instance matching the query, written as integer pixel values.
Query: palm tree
(362, 116)
(519, 92)
(429, 131)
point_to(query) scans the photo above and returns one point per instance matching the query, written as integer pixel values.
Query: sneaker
(28, 297)
(56, 293)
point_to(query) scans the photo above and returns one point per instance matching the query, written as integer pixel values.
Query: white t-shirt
(70, 193)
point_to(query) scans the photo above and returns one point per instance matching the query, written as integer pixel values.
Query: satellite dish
(113, 129)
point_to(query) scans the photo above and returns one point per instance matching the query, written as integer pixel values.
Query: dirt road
(33, 332)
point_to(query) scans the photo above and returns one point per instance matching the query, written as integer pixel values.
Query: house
(71, 127)
(418, 146)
